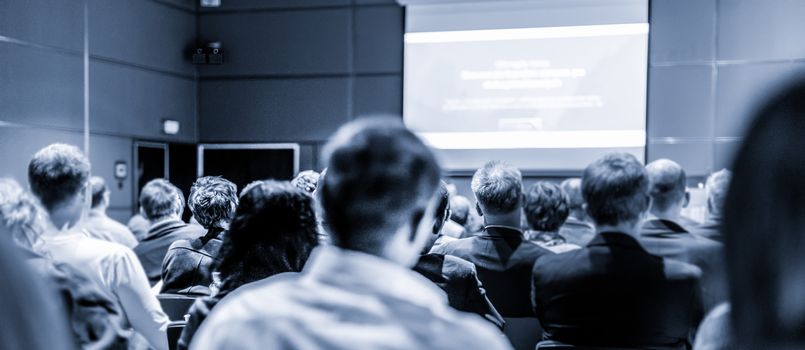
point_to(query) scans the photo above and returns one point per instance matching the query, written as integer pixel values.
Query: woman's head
(273, 231)
(764, 224)
(21, 214)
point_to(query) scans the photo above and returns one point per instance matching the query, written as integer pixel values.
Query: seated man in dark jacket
(613, 292)
(455, 276)
(186, 268)
(162, 204)
(502, 257)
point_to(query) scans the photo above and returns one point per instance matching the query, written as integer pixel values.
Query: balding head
(572, 187)
(667, 182)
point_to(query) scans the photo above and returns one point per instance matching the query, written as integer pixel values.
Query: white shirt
(116, 269)
(344, 300)
(102, 227)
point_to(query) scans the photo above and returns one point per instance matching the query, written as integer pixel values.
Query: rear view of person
(101, 226)
(359, 293)
(273, 232)
(186, 268)
(577, 229)
(546, 208)
(613, 292)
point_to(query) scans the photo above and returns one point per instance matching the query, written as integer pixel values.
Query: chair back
(175, 305)
(174, 331)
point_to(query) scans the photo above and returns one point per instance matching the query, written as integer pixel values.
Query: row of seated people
(375, 271)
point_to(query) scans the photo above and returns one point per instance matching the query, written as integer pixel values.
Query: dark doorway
(244, 163)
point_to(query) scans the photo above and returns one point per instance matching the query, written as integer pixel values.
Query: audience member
(274, 231)
(764, 221)
(98, 225)
(577, 229)
(501, 255)
(378, 197)
(162, 204)
(455, 276)
(58, 175)
(459, 209)
(34, 319)
(96, 322)
(138, 225)
(716, 189)
(186, 268)
(306, 181)
(664, 234)
(546, 209)
(613, 292)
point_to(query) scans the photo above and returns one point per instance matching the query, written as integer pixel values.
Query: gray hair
(22, 215)
(716, 189)
(498, 187)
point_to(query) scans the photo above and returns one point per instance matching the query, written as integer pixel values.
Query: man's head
(572, 187)
(459, 209)
(498, 189)
(443, 208)
(615, 188)
(546, 207)
(160, 200)
(213, 201)
(379, 189)
(100, 193)
(667, 182)
(716, 189)
(58, 175)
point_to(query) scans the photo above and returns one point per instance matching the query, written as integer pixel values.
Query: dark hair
(98, 185)
(615, 188)
(764, 225)
(498, 187)
(56, 173)
(273, 231)
(213, 200)
(459, 209)
(667, 182)
(546, 206)
(443, 196)
(379, 176)
(160, 198)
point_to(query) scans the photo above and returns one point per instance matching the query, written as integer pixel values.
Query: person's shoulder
(678, 270)
(251, 298)
(455, 245)
(475, 332)
(180, 244)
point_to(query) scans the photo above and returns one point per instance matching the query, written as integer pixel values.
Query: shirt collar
(355, 270)
(663, 224)
(615, 239)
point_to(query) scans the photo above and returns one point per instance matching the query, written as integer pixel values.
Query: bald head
(716, 189)
(667, 182)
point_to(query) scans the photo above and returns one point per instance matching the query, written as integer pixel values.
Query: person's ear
(687, 200)
(478, 209)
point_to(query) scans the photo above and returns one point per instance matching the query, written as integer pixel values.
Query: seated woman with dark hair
(274, 231)
(546, 208)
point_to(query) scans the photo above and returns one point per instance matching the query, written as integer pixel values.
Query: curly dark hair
(273, 231)
(546, 206)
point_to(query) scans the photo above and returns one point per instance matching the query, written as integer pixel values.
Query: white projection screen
(548, 86)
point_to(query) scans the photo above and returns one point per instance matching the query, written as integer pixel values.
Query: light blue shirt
(344, 300)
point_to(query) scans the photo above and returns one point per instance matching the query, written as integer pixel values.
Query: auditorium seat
(175, 305)
(523, 332)
(174, 330)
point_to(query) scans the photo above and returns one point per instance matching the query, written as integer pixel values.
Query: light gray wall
(139, 75)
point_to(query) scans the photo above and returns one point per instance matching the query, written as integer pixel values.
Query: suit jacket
(615, 293)
(152, 249)
(186, 268)
(457, 278)
(503, 260)
(710, 229)
(670, 240)
(577, 232)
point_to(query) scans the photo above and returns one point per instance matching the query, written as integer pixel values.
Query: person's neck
(578, 215)
(670, 214)
(629, 228)
(61, 219)
(164, 219)
(505, 219)
(99, 210)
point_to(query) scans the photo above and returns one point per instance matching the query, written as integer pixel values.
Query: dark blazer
(457, 278)
(670, 240)
(152, 249)
(614, 293)
(577, 232)
(186, 268)
(503, 260)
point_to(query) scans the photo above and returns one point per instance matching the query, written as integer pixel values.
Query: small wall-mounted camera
(211, 53)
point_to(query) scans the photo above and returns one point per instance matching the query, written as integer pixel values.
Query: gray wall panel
(41, 87)
(379, 94)
(680, 102)
(133, 101)
(18, 145)
(279, 42)
(682, 30)
(378, 39)
(51, 23)
(245, 5)
(104, 152)
(272, 110)
(142, 32)
(761, 29)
